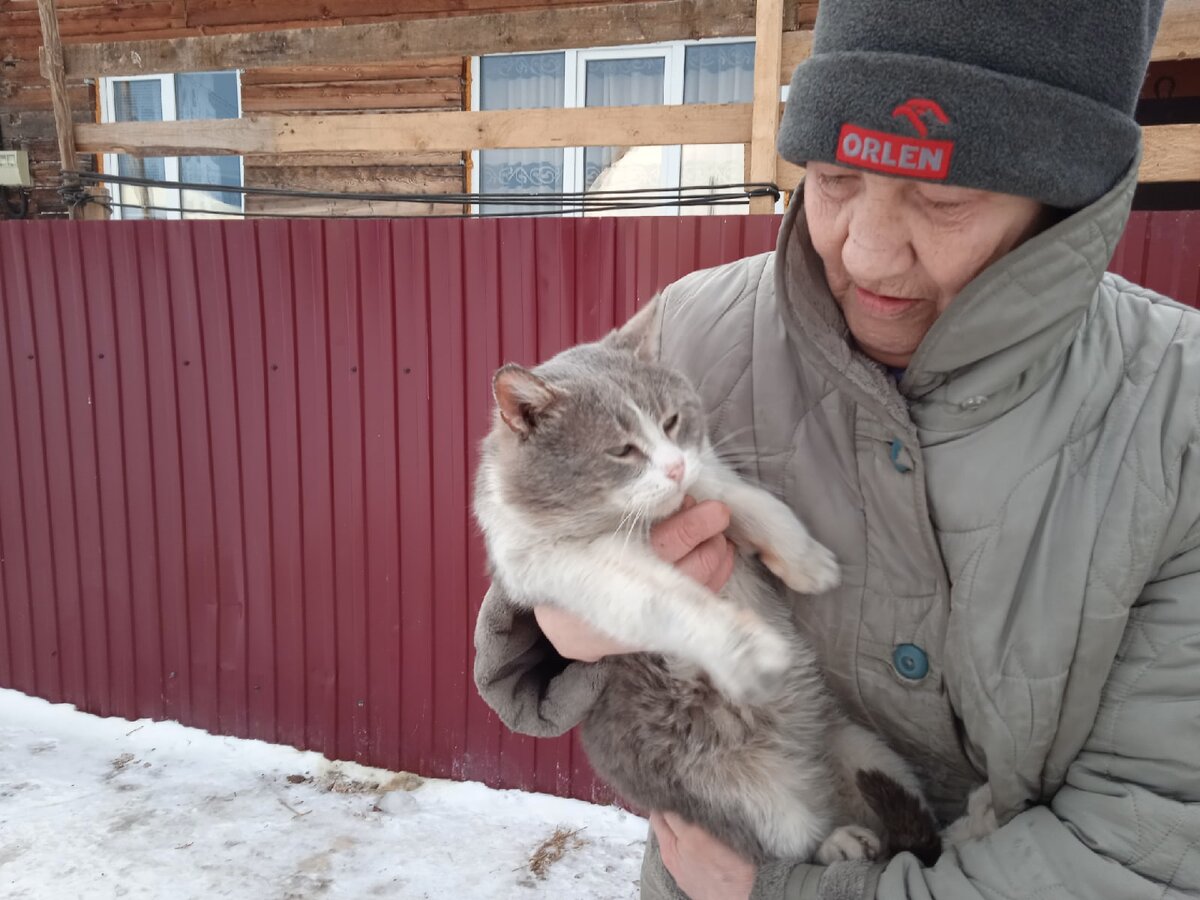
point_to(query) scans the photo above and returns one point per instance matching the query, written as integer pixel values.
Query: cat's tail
(908, 824)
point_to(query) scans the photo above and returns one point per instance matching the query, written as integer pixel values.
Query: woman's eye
(946, 205)
(622, 452)
(835, 185)
(670, 423)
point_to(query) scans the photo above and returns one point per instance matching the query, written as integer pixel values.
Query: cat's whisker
(625, 518)
(737, 432)
(737, 453)
(641, 511)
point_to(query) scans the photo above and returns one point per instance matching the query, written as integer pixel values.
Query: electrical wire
(591, 208)
(561, 203)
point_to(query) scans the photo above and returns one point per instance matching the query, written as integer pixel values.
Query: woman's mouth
(882, 305)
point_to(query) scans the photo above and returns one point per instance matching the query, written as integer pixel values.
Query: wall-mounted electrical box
(14, 168)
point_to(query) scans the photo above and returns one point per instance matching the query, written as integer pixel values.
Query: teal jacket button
(911, 662)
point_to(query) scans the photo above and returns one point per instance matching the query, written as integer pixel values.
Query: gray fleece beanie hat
(1027, 97)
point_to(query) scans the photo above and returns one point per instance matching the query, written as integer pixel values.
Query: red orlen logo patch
(895, 154)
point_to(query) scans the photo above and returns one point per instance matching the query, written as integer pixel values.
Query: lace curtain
(716, 73)
(623, 82)
(526, 81)
(712, 73)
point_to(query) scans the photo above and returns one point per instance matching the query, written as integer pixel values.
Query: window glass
(523, 81)
(716, 73)
(209, 95)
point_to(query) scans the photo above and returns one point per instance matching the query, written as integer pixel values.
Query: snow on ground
(100, 808)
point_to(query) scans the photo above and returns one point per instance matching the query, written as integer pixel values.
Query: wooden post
(768, 39)
(52, 70)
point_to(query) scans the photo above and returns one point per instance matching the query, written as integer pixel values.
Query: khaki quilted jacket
(1018, 521)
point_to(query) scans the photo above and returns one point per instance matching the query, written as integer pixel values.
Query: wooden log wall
(437, 84)
(27, 122)
(1172, 93)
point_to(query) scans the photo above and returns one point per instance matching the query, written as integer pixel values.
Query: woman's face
(897, 251)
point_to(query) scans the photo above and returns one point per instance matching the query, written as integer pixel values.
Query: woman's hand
(703, 867)
(574, 638)
(693, 539)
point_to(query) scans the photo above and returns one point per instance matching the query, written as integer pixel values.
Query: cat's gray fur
(724, 719)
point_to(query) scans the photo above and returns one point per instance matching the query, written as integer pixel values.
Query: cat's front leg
(767, 525)
(849, 842)
(643, 602)
(978, 821)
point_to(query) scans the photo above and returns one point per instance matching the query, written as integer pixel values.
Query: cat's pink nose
(675, 470)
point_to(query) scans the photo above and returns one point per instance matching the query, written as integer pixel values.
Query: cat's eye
(671, 422)
(623, 451)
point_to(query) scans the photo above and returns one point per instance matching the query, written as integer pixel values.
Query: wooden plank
(21, 71)
(429, 180)
(337, 160)
(52, 65)
(415, 93)
(788, 175)
(796, 47)
(9, 6)
(529, 30)
(77, 18)
(150, 17)
(450, 66)
(14, 97)
(1171, 153)
(32, 125)
(239, 12)
(1179, 33)
(300, 207)
(765, 122)
(425, 131)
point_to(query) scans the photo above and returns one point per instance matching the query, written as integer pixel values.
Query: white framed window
(172, 98)
(710, 71)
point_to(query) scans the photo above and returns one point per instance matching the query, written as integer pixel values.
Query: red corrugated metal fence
(235, 460)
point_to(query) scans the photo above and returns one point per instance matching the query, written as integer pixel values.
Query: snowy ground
(100, 808)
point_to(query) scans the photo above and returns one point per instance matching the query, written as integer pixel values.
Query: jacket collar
(998, 341)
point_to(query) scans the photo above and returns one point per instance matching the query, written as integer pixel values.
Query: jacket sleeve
(1126, 823)
(520, 675)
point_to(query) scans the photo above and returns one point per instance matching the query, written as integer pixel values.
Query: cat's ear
(522, 397)
(640, 335)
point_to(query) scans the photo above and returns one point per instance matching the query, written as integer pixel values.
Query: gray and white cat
(724, 719)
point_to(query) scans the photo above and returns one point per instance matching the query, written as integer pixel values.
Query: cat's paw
(849, 842)
(754, 661)
(810, 568)
(979, 821)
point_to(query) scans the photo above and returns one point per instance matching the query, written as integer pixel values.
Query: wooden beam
(1179, 33)
(52, 66)
(554, 28)
(789, 174)
(387, 158)
(795, 49)
(1170, 153)
(429, 68)
(426, 131)
(765, 123)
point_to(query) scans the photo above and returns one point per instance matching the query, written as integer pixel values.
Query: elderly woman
(1000, 442)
